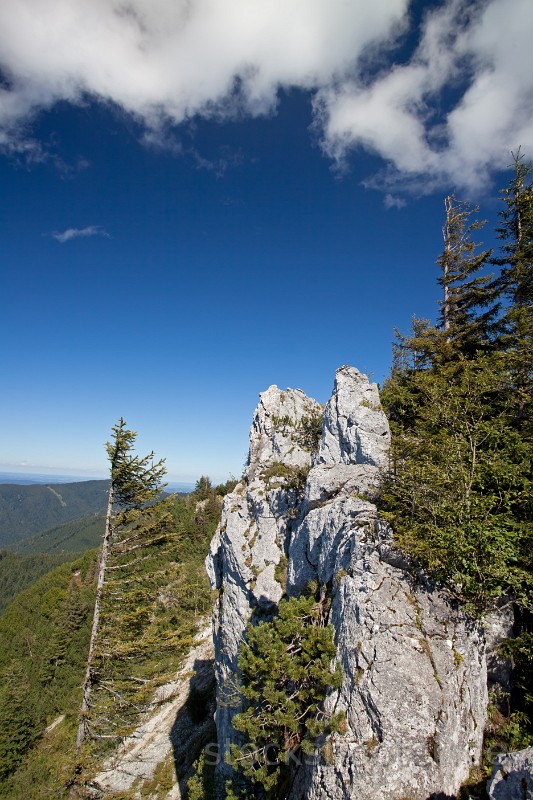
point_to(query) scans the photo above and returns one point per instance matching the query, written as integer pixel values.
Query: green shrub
(286, 673)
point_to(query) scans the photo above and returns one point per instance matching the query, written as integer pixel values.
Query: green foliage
(44, 639)
(286, 475)
(67, 540)
(459, 400)
(155, 591)
(203, 487)
(516, 235)
(465, 292)
(305, 432)
(19, 572)
(201, 785)
(44, 771)
(29, 510)
(286, 673)
(225, 488)
(310, 431)
(44, 636)
(135, 480)
(459, 491)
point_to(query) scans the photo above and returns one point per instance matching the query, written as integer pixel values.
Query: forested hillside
(43, 643)
(26, 510)
(72, 537)
(156, 593)
(32, 557)
(19, 572)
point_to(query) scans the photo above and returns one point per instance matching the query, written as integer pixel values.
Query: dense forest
(19, 572)
(71, 537)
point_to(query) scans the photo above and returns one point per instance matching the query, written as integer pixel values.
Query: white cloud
(391, 201)
(76, 233)
(165, 61)
(480, 50)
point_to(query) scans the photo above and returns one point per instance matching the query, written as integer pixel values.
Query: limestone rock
(356, 430)
(512, 776)
(273, 436)
(414, 689)
(247, 559)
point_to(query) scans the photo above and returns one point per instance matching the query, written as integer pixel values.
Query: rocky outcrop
(247, 561)
(512, 776)
(414, 689)
(355, 430)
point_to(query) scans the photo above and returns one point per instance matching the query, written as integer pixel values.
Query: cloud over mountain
(448, 110)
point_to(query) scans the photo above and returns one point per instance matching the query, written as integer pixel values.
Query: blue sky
(197, 205)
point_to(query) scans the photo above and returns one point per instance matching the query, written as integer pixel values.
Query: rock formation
(512, 776)
(247, 564)
(414, 689)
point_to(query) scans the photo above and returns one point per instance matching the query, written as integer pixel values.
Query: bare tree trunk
(448, 204)
(88, 683)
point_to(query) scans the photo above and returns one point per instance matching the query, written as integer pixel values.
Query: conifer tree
(459, 488)
(134, 483)
(286, 672)
(516, 234)
(515, 283)
(466, 330)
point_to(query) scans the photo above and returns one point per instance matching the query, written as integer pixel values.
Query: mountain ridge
(26, 510)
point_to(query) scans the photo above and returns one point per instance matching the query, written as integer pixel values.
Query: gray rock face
(498, 627)
(356, 430)
(512, 776)
(414, 689)
(247, 560)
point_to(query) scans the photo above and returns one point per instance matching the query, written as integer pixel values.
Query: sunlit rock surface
(512, 776)
(414, 688)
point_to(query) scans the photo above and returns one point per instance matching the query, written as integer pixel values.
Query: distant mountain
(40, 477)
(29, 510)
(72, 538)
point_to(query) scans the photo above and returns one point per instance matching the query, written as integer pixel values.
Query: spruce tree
(516, 235)
(466, 330)
(458, 493)
(515, 284)
(134, 483)
(286, 672)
